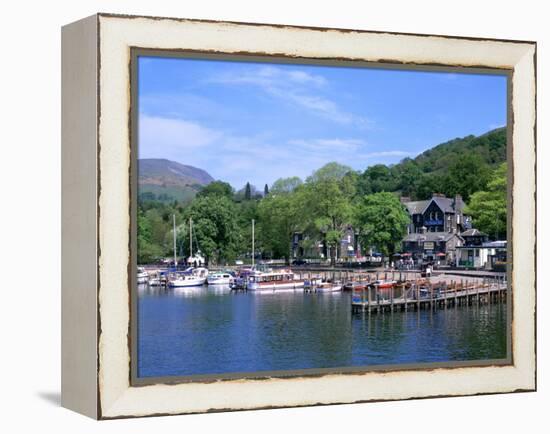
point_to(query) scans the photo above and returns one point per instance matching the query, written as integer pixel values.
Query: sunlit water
(208, 331)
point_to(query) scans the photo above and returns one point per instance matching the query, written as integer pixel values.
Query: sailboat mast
(175, 252)
(252, 242)
(190, 237)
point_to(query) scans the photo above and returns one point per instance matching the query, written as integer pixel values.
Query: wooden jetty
(423, 294)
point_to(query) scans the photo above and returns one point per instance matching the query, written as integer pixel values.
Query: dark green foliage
(322, 208)
(468, 174)
(460, 166)
(216, 188)
(490, 147)
(488, 208)
(382, 221)
(215, 227)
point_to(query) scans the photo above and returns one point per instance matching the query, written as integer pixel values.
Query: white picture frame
(96, 212)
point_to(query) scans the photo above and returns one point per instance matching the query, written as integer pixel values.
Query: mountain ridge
(167, 180)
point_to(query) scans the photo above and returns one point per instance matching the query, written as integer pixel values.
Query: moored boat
(329, 287)
(220, 279)
(190, 277)
(384, 284)
(273, 280)
(142, 276)
(157, 278)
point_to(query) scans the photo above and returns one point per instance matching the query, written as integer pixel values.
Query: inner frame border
(136, 52)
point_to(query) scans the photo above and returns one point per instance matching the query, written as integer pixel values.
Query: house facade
(478, 252)
(304, 246)
(432, 247)
(434, 232)
(438, 214)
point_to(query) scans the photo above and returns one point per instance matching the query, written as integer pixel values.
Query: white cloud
(258, 159)
(295, 87)
(331, 145)
(268, 77)
(170, 138)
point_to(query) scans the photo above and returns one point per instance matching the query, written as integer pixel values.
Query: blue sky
(258, 122)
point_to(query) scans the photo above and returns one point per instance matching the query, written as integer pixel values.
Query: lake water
(207, 331)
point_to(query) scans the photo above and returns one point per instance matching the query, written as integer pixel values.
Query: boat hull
(253, 286)
(220, 281)
(184, 283)
(329, 288)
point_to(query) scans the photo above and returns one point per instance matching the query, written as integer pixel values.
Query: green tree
(218, 188)
(328, 203)
(266, 190)
(381, 221)
(488, 208)
(286, 185)
(329, 172)
(409, 175)
(215, 227)
(280, 215)
(247, 192)
(427, 185)
(467, 174)
(379, 178)
(147, 250)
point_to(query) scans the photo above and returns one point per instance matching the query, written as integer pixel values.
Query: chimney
(458, 202)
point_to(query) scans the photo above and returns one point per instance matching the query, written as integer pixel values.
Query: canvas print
(296, 218)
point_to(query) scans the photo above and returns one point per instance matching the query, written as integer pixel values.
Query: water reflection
(209, 330)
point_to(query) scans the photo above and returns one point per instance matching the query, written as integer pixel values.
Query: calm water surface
(207, 331)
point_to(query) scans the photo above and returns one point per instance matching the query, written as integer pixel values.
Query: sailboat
(264, 279)
(191, 276)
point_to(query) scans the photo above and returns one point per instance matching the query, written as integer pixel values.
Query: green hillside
(167, 181)
(490, 147)
(459, 166)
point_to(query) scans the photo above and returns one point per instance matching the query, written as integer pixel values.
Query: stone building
(435, 228)
(438, 214)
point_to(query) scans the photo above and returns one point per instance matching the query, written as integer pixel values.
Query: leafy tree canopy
(382, 221)
(218, 188)
(488, 207)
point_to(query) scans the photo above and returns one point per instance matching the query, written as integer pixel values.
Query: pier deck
(413, 296)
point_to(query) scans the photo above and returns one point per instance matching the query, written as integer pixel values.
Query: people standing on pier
(428, 271)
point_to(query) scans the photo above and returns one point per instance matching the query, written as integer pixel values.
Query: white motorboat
(191, 277)
(157, 278)
(142, 276)
(328, 287)
(220, 279)
(273, 280)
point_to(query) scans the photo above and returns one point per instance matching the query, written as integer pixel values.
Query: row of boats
(254, 278)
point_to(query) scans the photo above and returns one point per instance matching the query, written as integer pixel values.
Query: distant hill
(491, 147)
(165, 180)
(459, 166)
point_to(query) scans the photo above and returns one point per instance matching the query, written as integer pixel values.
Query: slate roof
(446, 204)
(473, 233)
(416, 207)
(430, 236)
